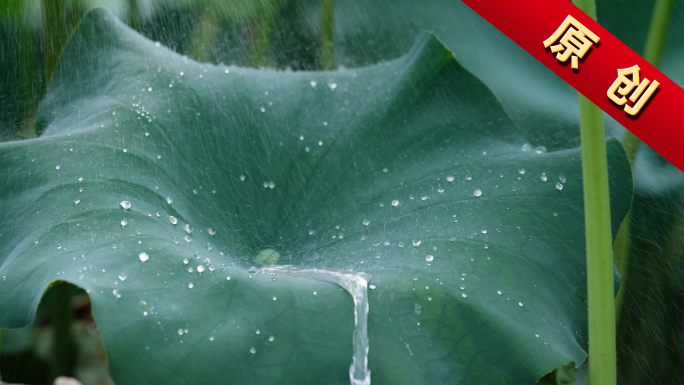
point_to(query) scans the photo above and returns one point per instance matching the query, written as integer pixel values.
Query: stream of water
(356, 283)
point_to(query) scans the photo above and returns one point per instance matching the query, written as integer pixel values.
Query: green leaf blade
(391, 137)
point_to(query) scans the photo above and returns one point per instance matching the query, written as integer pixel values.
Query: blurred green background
(296, 35)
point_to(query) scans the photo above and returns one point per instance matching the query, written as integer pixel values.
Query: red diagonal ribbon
(531, 23)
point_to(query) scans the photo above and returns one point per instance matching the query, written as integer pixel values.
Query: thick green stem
(327, 35)
(64, 347)
(264, 34)
(204, 35)
(660, 22)
(134, 15)
(55, 34)
(29, 80)
(599, 241)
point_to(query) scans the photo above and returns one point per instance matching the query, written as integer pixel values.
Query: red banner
(598, 65)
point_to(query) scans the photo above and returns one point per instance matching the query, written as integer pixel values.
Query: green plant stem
(204, 35)
(660, 22)
(327, 35)
(599, 241)
(55, 34)
(29, 80)
(655, 43)
(134, 15)
(264, 34)
(64, 347)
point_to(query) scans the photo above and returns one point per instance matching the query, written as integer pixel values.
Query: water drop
(450, 178)
(429, 258)
(520, 304)
(169, 200)
(313, 83)
(559, 186)
(521, 171)
(124, 223)
(187, 239)
(268, 257)
(372, 287)
(258, 332)
(498, 292)
(416, 242)
(211, 231)
(158, 156)
(274, 298)
(543, 177)
(116, 293)
(395, 203)
(173, 219)
(80, 179)
(440, 190)
(190, 285)
(540, 150)
(271, 184)
(483, 231)
(401, 244)
(57, 167)
(143, 257)
(464, 295)
(187, 228)
(415, 277)
(126, 205)
(271, 338)
(252, 350)
(312, 232)
(185, 261)
(228, 278)
(77, 201)
(138, 231)
(200, 269)
(469, 177)
(320, 142)
(175, 240)
(477, 193)
(211, 338)
(122, 277)
(366, 222)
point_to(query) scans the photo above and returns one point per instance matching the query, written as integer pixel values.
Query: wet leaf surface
(408, 171)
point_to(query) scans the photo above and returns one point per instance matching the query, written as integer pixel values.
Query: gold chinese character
(628, 87)
(573, 43)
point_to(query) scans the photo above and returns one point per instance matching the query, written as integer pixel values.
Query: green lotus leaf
(160, 185)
